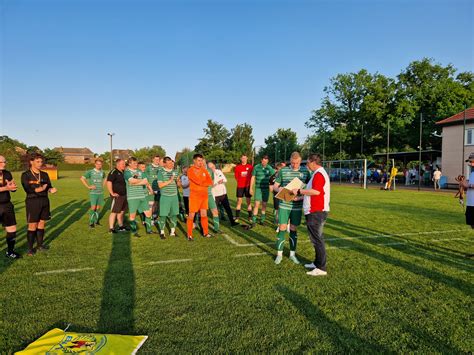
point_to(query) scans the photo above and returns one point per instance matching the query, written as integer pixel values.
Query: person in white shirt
(468, 185)
(219, 192)
(185, 185)
(436, 177)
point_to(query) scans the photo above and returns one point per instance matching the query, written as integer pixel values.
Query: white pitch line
(447, 239)
(236, 243)
(250, 254)
(168, 261)
(62, 271)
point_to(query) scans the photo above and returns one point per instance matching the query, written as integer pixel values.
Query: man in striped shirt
(261, 174)
(290, 211)
(137, 195)
(169, 203)
(316, 208)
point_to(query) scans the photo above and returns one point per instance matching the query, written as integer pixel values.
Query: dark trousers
(186, 204)
(224, 202)
(315, 223)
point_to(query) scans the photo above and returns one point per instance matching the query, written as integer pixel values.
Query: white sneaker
(277, 230)
(317, 272)
(310, 266)
(278, 259)
(294, 259)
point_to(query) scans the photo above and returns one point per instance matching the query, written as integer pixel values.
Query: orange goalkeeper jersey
(199, 180)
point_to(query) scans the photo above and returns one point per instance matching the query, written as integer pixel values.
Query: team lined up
(153, 192)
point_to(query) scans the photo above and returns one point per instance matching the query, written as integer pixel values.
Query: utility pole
(111, 155)
(388, 144)
(463, 140)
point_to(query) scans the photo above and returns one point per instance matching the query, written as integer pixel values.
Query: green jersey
(285, 175)
(152, 173)
(262, 176)
(134, 192)
(170, 189)
(209, 189)
(96, 178)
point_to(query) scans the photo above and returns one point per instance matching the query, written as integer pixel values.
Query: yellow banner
(57, 341)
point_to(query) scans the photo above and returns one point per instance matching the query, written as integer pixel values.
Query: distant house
(76, 155)
(122, 154)
(452, 146)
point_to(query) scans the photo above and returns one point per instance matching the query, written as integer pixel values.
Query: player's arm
(50, 188)
(84, 182)
(252, 182)
(315, 189)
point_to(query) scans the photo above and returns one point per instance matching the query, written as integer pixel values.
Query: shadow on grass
(345, 340)
(118, 291)
(455, 259)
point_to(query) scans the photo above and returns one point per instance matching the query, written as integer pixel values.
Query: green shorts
(96, 199)
(294, 216)
(169, 206)
(262, 194)
(138, 204)
(212, 202)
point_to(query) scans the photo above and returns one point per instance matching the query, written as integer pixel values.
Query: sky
(154, 72)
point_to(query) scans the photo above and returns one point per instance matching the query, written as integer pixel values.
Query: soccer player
(118, 192)
(243, 175)
(316, 209)
(199, 182)
(137, 196)
(152, 174)
(219, 192)
(7, 212)
(276, 202)
(169, 203)
(37, 185)
(185, 185)
(261, 174)
(94, 180)
(290, 211)
(212, 201)
(150, 196)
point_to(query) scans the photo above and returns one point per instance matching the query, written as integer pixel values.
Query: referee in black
(37, 185)
(118, 192)
(7, 212)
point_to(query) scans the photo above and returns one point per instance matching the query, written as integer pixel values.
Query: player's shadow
(449, 257)
(62, 218)
(364, 247)
(118, 291)
(105, 209)
(347, 341)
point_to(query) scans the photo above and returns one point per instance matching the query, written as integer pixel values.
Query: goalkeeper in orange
(199, 181)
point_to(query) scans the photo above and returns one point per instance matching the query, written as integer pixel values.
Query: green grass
(407, 292)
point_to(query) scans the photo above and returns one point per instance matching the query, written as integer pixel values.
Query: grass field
(399, 281)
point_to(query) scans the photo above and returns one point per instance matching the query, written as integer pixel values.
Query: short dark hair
(131, 159)
(315, 158)
(35, 156)
(118, 160)
(141, 163)
(266, 157)
(157, 156)
(166, 159)
(197, 155)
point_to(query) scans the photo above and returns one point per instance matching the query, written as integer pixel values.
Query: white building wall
(452, 152)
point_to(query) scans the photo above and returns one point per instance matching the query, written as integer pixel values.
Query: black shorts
(37, 209)
(7, 214)
(470, 215)
(243, 191)
(276, 202)
(119, 204)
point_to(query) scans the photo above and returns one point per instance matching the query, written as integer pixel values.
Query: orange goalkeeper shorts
(198, 202)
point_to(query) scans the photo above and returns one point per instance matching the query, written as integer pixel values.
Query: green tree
(184, 157)
(280, 145)
(146, 154)
(52, 156)
(12, 150)
(241, 141)
(215, 137)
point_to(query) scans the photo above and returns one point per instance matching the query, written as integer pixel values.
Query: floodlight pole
(463, 140)
(419, 152)
(365, 174)
(111, 155)
(388, 142)
(324, 144)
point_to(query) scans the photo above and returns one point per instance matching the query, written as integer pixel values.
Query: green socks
(91, 217)
(293, 240)
(254, 219)
(216, 223)
(148, 224)
(281, 240)
(133, 226)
